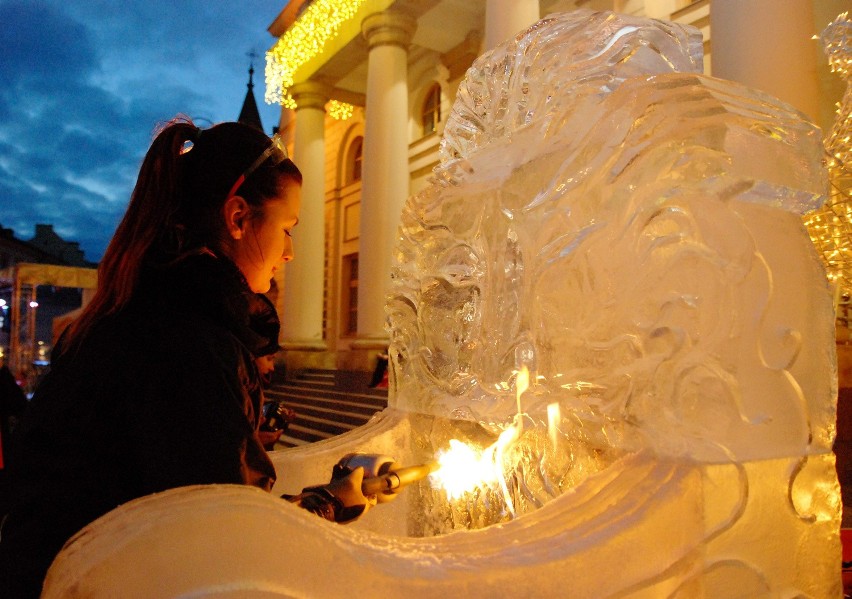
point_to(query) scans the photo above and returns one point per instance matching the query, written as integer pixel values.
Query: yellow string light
(339, 110)
(306, 39)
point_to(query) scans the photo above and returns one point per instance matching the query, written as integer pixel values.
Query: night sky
(83, 85)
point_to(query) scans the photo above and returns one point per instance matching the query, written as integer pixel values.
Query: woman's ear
(236, 212)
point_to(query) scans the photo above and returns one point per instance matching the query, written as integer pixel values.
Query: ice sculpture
(628, 230)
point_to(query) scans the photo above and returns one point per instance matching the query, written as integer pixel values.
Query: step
(284, 391)
(316, 373)
(328, 418)
(316, 379)
(297, 435)
(351, 404)
(340, 381)
(326, 405)
(304, 413)
(334, 411)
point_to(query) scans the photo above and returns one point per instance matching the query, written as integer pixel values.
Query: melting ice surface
(629, 230)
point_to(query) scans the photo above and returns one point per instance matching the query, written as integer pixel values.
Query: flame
(462, 468)
(554, 417)
(522, 383)
(506, 438)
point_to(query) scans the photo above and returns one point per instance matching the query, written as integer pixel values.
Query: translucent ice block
(628, 230)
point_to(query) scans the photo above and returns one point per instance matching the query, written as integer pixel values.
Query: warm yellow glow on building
(830, 227)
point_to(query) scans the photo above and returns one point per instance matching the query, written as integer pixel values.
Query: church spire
(249, 113)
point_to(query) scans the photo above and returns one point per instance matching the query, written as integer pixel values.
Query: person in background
(154, 386)
(276, 417)
(263, 320)
(380, 374)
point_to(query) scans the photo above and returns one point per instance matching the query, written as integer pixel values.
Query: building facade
(363, 115)
(38, 305)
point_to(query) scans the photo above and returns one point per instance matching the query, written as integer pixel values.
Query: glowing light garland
(306, 39)
(339, 110)
(830, 227)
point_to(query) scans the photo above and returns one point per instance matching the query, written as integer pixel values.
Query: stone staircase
(327, 403)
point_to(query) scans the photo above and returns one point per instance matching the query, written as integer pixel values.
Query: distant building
(46, 247)
(67, 252)
(14, 250)
(249, 114)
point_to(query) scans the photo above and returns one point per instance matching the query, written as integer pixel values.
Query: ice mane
(614, 223)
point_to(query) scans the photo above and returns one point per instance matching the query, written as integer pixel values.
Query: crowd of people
(159, 382)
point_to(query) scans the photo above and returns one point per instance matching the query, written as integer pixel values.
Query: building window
(430, 116)
(350, 294)
(356, 156)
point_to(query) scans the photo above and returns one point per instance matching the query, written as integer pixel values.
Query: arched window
(356, 157)
(430, 115)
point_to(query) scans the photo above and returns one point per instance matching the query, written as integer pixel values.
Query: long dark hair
(176, 206)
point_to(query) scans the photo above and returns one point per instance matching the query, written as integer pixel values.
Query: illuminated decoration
(306, 39)
(830, 227)
(339, 110)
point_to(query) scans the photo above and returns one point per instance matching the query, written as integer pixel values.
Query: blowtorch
(383, 476)
(392, 481)
(383, 479)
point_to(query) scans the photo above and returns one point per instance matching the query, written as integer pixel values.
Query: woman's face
(266, 243)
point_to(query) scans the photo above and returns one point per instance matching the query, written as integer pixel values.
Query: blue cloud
(83, 85)
(40, 43)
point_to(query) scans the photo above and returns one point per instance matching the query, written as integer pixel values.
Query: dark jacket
(13, 403)
(163, 394)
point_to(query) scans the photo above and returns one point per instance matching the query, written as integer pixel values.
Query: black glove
(340, 501)
(317, 500)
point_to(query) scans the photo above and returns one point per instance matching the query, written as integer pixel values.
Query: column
(506, 18)
(385, 177)
(301, 321)
(15, 361)
(767, 45)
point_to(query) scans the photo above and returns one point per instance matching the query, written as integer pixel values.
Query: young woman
(154, 386)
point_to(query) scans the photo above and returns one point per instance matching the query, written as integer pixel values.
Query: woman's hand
(340, 500)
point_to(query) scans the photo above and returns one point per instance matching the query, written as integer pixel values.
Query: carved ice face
(624, 246)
